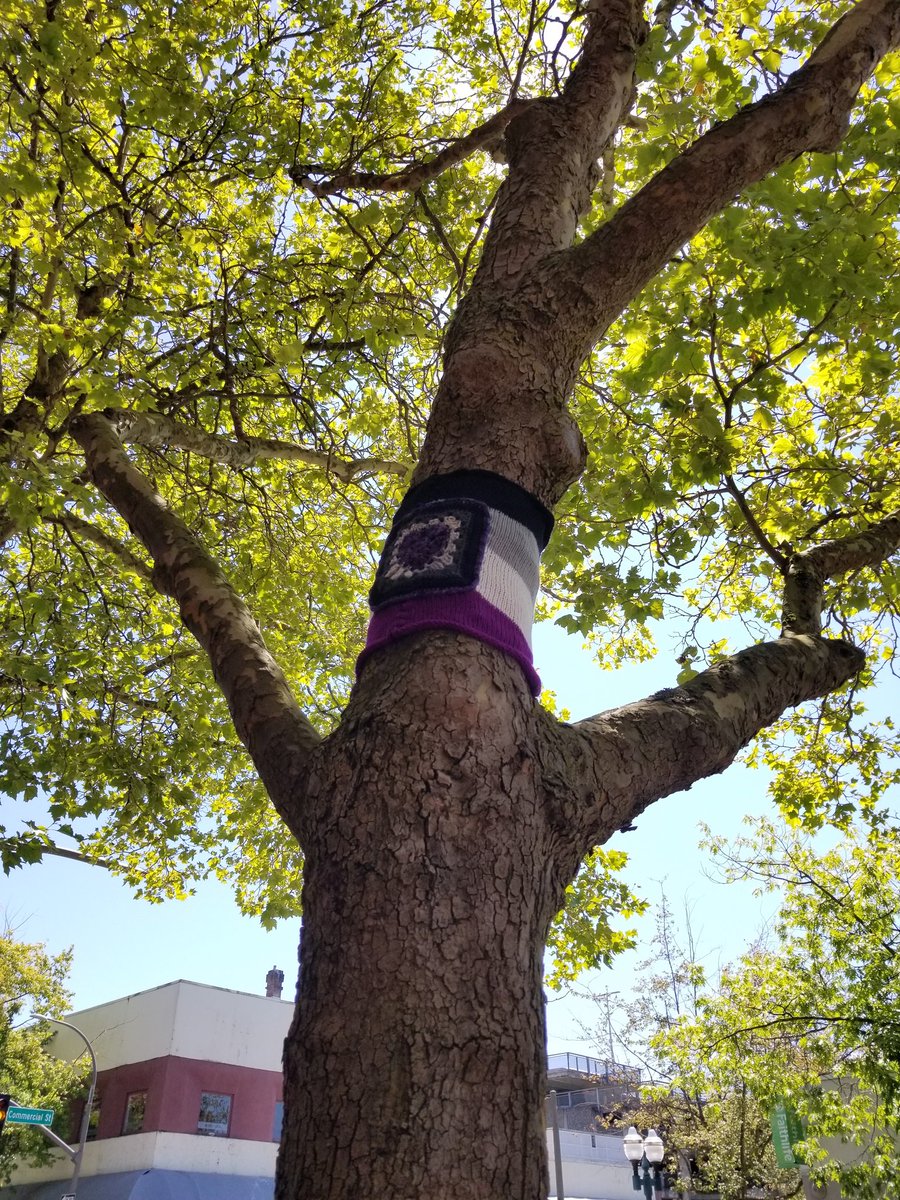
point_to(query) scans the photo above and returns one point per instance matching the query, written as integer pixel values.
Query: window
(215, 1113)
(94, 1120)
(135, 1106)
(278, 1121)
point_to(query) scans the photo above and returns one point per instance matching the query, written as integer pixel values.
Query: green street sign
(787, 1130)
(28, 1116)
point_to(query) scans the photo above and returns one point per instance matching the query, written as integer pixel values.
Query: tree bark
(414, 1067)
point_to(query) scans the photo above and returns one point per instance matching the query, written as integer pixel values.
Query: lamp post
(77, 1155)
(645, 1156)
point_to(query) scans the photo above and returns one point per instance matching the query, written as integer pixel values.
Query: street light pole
(86, 1116)
(645, 1155)
(557, 1149)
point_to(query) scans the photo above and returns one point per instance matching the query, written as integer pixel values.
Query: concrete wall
(587, 1169)
(166, 1151)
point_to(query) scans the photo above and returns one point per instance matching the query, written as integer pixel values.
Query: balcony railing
(602, 1070)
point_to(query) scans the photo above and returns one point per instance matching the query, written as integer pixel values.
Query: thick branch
(629, 757)
(510, 360)
(809, 571)
(634, 755)
(152, 429)
(265, 714)
(608, 269)
(553, 148)
(484, 137)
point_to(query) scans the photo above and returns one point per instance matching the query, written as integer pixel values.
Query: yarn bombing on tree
(464, 554)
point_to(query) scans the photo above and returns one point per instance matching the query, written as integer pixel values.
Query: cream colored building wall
(218, 1025)
(190, 1020)
(132, 1029)
(164, 1151)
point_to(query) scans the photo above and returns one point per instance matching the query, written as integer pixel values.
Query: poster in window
(215, 1113)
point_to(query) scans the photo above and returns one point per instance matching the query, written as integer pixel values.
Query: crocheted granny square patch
(437, 547)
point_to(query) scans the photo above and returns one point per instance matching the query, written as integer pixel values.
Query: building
(189, 1102)
(587, 1090)
(188, 1097)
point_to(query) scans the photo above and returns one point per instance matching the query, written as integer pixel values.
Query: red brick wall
(173, 1087)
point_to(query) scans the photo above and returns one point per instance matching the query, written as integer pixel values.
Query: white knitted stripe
(517, 545)
(501, 585)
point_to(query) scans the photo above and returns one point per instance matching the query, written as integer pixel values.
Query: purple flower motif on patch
(422, 544)
(438, 546)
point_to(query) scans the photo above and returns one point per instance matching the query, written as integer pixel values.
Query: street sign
(29, 1116)
(68, 1196)
(787, 1130)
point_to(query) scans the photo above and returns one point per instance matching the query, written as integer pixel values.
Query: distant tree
(32, 985)
(714, 1127)
(265, 265)
(814, 1020)
(809, 1018)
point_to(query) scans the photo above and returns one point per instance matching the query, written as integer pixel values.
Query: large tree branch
(599, 277)
(153, 430)
(486, 136)
(808, 572)
(265, 713)
(509, 358)
(553, 147)
(625, 759)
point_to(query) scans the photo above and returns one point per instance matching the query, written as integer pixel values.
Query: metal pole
(86, 1115)
(557, 1152)
(648, 1180)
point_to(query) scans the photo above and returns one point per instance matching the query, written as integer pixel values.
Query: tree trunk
(415, 1065)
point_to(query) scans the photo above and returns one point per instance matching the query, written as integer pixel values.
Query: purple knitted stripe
(464, 612)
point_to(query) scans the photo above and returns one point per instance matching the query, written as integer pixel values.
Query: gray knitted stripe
(517, 546)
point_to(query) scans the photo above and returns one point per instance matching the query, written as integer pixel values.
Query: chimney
(274, 981)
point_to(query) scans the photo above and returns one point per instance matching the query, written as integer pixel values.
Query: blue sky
(123, 945)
